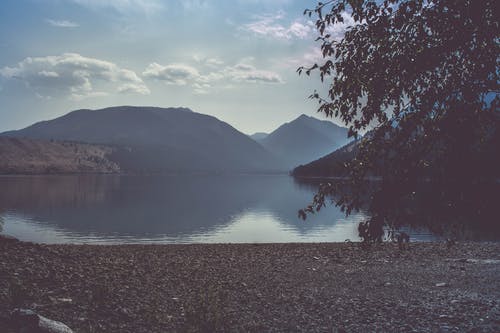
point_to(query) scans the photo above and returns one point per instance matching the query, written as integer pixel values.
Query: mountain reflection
(163, 206)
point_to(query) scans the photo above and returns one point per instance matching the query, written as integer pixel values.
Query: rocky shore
(429, 287)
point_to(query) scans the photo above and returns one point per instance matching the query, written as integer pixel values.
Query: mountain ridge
(152, 139)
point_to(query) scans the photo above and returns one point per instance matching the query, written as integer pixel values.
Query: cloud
(309, 58)
(338, 30)
(248, 73)
(195, 4)
(267, 2)
(130, 88)
(214, 62)
(79, 97)
(269, 26)
(201, 88)
(62, 23)
(211, 62)
(177, 74)
(73, 74)
(145, 6)
(314, 55)
(215, 73)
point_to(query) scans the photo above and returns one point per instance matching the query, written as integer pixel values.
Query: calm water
(167, 209)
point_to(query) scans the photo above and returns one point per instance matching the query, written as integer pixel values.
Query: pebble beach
(321, 287)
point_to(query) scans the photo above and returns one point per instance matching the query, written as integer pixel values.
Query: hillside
(304, 139)
(476, 158)
(150, 139)
(25, 156)
(331, 165)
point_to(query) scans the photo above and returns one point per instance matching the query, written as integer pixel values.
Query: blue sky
(235, 59)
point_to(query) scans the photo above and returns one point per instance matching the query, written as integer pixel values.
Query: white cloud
(131, 88)
(201, 88)
(338, 30)
(214, 62)
(248, 73)
(274, 2)
(211, 62)
(73, 74)
(309, 58)
(48, 74)
(243, 67)
(178, 74)
(195, 4)
(145, 6)
(62, 23)
(300, 30)
(214, 74)
(79, 97)
(314, 55)
(270, 26)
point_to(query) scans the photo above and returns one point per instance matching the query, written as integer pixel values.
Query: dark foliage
(425, 75)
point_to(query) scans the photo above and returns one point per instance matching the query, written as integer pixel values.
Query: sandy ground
(255, 288)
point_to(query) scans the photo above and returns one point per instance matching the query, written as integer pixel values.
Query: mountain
(258, 136)
(151, 139)
(477, 157)
(304, 139)
(331, 165)
(25, 156)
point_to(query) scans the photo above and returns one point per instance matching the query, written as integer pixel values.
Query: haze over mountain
(151, 139)
(304, 139)
(258, 136)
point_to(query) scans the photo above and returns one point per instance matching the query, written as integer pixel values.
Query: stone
(29, 321)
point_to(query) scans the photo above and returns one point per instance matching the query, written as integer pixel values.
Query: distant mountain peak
(259, 136)
(304, 139)
(305, 117)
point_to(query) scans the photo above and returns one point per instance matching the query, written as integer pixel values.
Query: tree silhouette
(424, 75)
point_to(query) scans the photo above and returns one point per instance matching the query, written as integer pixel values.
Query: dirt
(328, 287)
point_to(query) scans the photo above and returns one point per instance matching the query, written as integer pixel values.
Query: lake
(109, 209)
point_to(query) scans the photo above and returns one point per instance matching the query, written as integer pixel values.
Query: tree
(425, 75)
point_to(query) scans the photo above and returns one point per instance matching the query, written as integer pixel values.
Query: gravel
(320, 287)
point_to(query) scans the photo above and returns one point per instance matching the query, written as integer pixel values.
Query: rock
(125, 312)
(29, 321)
(60, 300)
(483, 261)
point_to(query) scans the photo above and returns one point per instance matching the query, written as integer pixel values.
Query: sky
(233, 59)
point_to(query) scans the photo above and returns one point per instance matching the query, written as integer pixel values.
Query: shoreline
(300, 287)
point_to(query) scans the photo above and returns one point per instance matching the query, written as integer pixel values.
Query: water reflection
(202, 208)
